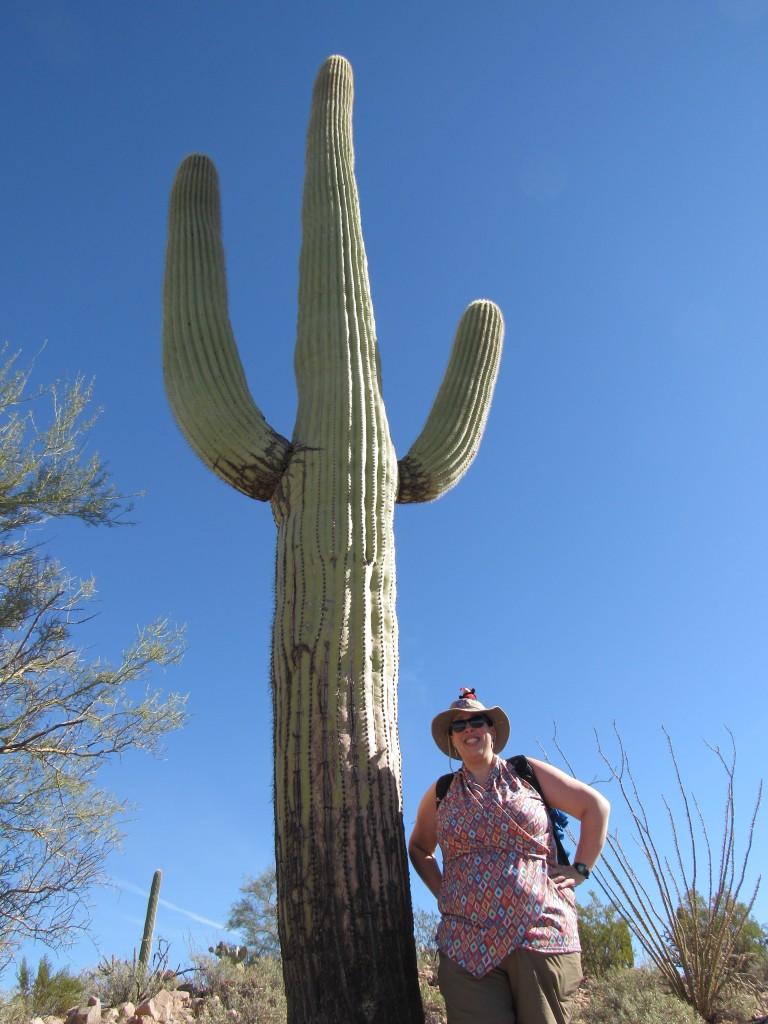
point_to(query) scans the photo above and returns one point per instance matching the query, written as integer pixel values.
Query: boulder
(90, 1014)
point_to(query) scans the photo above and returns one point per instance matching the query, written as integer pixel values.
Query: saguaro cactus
(145, 950)
(343, 894)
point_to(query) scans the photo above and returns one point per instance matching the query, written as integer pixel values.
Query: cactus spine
(344, 910)
(145, 950)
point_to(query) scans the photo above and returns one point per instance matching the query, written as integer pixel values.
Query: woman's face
(473, 743)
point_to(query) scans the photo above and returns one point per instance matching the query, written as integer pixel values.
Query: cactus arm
(448, 443)
(204, 377)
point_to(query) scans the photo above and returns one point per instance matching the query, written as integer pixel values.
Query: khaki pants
(527, 988)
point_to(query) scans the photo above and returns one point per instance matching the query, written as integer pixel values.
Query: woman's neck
(480, 770)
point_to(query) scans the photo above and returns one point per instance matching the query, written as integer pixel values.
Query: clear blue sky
(599, 170)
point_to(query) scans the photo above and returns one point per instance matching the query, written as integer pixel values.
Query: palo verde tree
(254, 915)
(345, 920)
(61, 716)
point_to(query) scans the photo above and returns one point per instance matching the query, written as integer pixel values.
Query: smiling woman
(508, 936)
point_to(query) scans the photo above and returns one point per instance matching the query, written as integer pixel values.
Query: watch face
(582, 869)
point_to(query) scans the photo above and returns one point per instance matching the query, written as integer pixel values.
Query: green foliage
(50, 994)
(250, 992)
(255, 991)
(255, 915)
(23, 981)
(743, 936)
(634, 996)
(606, 942)
(425, 924)
(61, 717)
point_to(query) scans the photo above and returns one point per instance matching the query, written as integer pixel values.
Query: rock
(147, 1009)
(127, 1010)
(169, 1004)
(90, 1014)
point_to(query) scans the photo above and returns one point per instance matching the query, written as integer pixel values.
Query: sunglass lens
(476, 721)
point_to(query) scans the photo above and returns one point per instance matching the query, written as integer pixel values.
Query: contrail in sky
(130, 887)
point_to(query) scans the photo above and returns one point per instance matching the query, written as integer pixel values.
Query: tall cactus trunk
(145, 951)
(340, 843)
(343, 892)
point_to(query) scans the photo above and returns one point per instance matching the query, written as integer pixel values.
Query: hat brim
(441, 723)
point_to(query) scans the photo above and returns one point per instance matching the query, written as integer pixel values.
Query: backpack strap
(442, 786)
(557, 819)
(524, 769)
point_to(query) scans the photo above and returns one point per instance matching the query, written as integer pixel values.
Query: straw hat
(468, 702)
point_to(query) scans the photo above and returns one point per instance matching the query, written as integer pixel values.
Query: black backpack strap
(524, 769)
(443, 785)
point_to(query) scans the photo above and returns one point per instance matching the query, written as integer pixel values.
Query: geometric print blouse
(496, 895)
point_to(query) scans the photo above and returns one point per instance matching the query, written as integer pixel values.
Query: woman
(508, 939)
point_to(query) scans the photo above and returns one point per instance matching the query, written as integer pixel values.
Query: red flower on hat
(466, 692)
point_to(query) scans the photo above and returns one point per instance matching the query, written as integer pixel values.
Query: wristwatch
(582, 869)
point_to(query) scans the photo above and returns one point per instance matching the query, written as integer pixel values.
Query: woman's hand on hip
(565, 876)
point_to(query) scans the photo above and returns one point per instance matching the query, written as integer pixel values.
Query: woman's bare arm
(582, 802)
(423, 843)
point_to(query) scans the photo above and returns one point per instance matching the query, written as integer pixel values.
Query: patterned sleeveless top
(496, 895)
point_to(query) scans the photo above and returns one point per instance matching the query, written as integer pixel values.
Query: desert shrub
(117, 981)
(254, 991)
(606, 942)
(744, 940)
(13, 1010)
(740, 1003)
(48, 994)
(640, 996)
(425, 924)
(432, 1001)
(685, 908)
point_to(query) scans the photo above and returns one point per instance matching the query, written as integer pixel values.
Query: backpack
(524, 768)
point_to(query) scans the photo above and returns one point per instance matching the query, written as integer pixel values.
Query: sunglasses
(476, 721)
